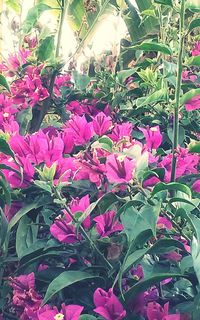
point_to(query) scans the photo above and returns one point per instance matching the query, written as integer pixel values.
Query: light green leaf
(189, 95)
(194, 147)
(46, 48)
(172, 186)
(158, 96)
(153, 46)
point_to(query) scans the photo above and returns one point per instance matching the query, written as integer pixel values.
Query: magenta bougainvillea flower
(80, 129)
(25, 296)
(80, 205)
(68, 140)
(70, 312)
(164, 223)
(119, 169)
(153, 137)
(107, 305)
(106, 224)
(186, 164)
(101, 123)
(156, 312)
(150, 182)
(64, 231)
(196, 49)
(193, 104)
(121, 131)
(188, 75)
(196, 186)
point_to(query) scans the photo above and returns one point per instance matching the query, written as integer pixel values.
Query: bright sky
(109, 32)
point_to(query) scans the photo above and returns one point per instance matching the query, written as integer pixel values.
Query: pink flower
(24, 295)
(186, 164)
(80, 129)
(173, 256)
(11, 211)
(150, 182)
(119, 169)
(90, 168)
(101, 123)
(70, 312)
(164, 223)
(188, 75)
(196, 186)
(196, 49)
(121, 131)
(64, 231)
(107, 305)
(80, 205)
(106, 224)
(193, 104)
(153, 137)
(156, 312)
(68, 141)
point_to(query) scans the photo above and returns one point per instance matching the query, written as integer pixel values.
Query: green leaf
(23, 118)
(161, 246)
(6, 191)
(189, 95)
(136, 222)
(3, 227)
(194, 24)
(196, 308)
(64, 280)
(123, 74)
(26, 235)
(194, 147)
(4, 83)
(143, 285)
(33, 16)
(194, 61)
(172, 186)
(158, 96)
(23, 211)
(14, 5)
(87, 317)
(81, 80)
(196, 257)
(165, 2)
(5, 148)
(153, 46)
(46, 49)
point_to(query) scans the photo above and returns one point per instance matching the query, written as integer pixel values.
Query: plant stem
(60, 29)
(84, 233)
(178, 89)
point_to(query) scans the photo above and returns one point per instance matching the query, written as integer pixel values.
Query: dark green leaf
(194, 24)
(165, 2)
(4, 83)
(26, 235)
(3, 227)
(23, 118)
(6, 191)
(124, 74)
(64, 280)
(143, 285)
(5, 148)
(87, 317)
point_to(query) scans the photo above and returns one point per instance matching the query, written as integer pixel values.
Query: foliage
(99, 172)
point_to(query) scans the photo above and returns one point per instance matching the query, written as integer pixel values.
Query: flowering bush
(100, 185)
